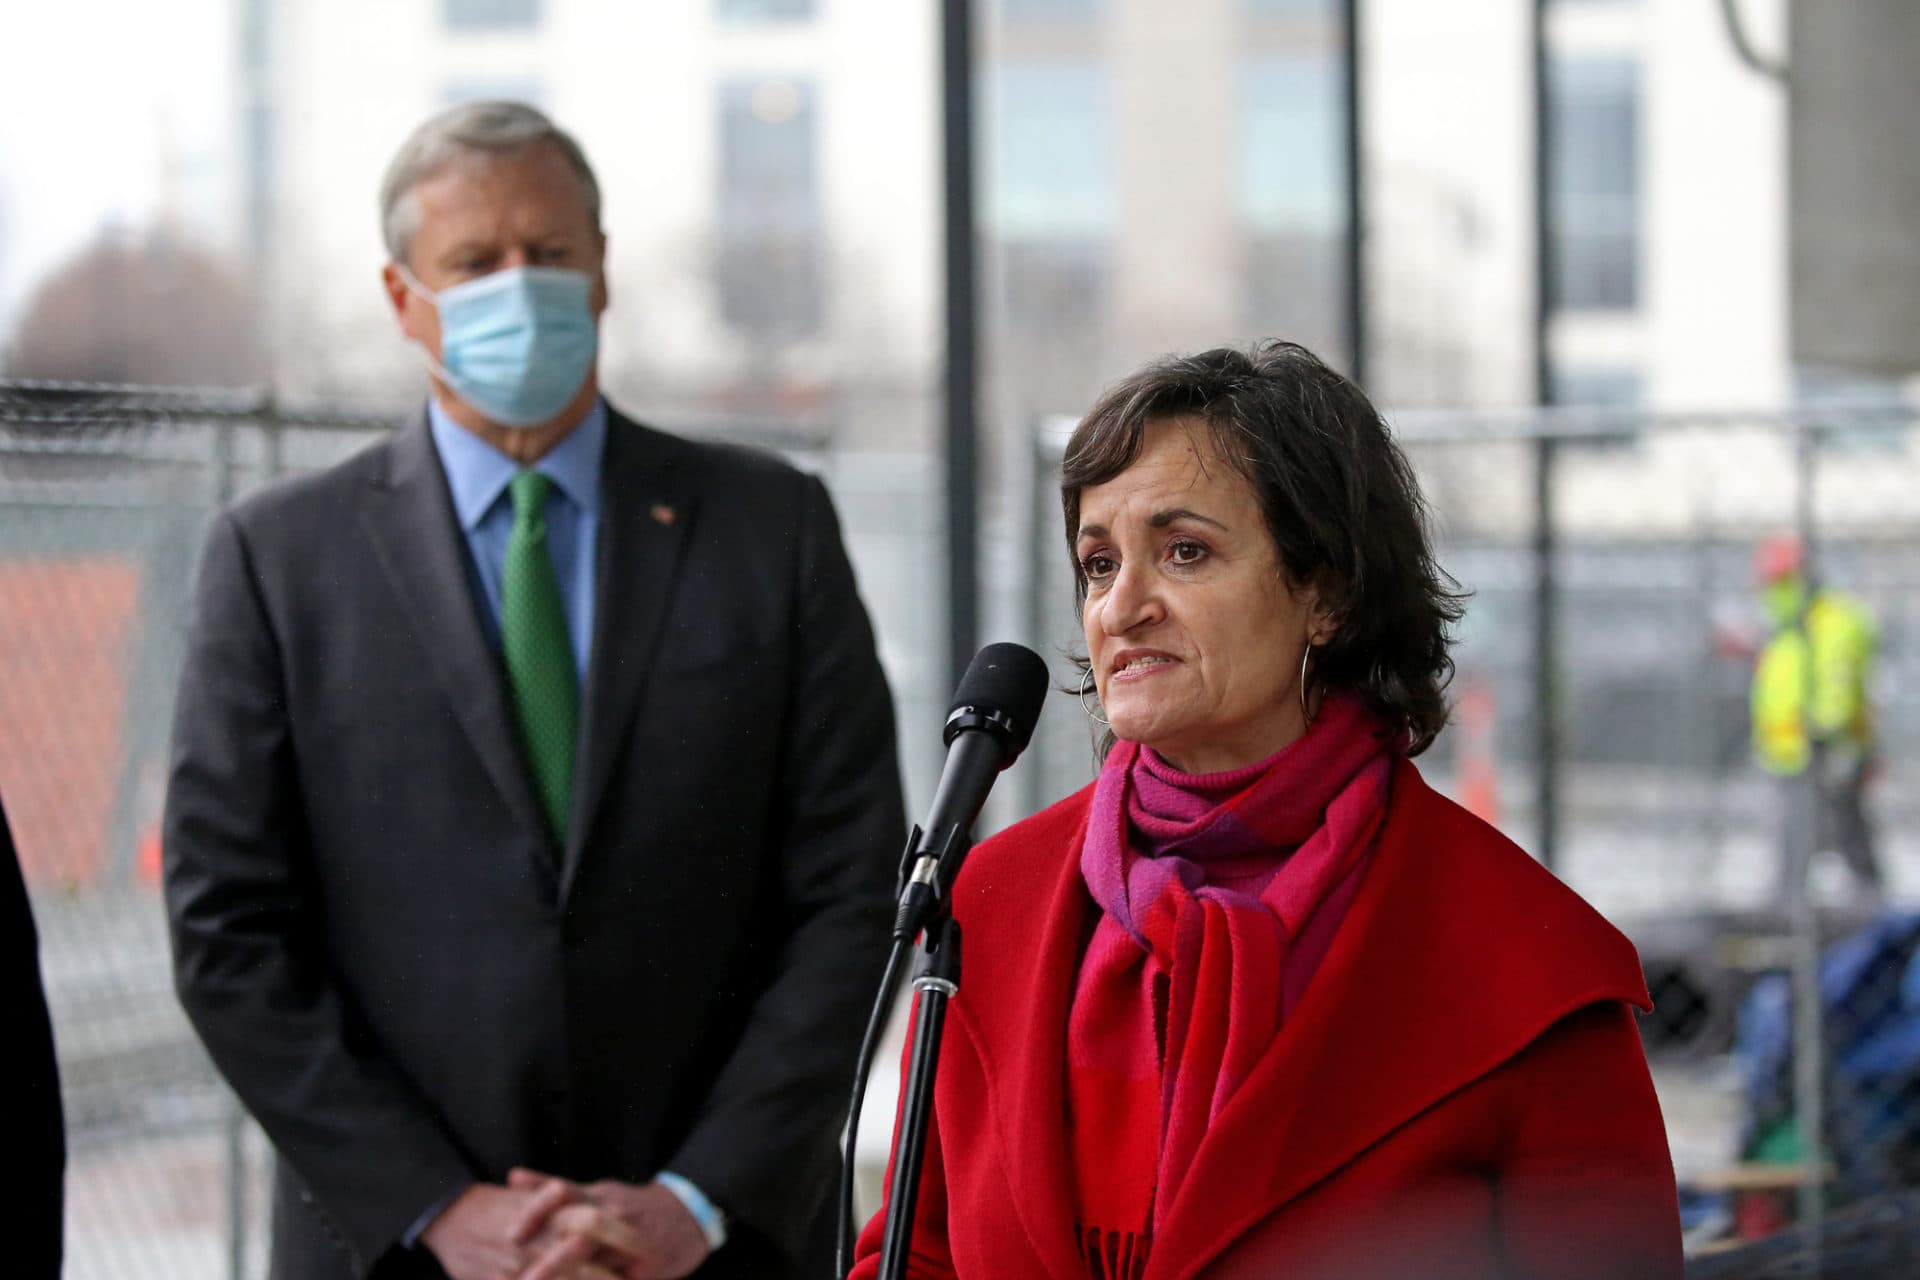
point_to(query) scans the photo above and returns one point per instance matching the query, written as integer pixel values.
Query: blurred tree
(149, 308)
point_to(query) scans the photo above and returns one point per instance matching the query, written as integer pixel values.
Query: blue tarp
(1870, 1010)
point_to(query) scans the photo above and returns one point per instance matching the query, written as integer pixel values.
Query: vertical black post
(1545, 585)
(273, 437)
(1803, 919)
(1546, 641)
(226, 464)
(1356, 200)
(1034, 630)
(225, 486)
(236, 1140)
(1544, 246)
(257, 165)
(963, 604)
(256, 127)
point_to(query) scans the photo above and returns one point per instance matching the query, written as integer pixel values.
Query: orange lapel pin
(661, 513)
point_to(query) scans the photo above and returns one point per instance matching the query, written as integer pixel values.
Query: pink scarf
(1219, 894)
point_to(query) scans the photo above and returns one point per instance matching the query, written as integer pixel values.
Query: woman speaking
(1258, 1002)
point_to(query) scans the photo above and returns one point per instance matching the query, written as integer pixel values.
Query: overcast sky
(110, 109)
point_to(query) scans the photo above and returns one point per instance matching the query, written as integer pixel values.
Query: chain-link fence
(1612, 632)
(1601, 717)
(104, 495)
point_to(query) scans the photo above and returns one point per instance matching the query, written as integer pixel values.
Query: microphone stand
(937, 983)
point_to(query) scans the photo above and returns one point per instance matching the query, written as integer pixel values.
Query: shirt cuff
(420, 1224)
(711, 1217)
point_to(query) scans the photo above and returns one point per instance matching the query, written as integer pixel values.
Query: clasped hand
(539, 1227)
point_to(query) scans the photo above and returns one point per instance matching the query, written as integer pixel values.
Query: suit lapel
(414, 530)
(645, 513)
(1410, 1005)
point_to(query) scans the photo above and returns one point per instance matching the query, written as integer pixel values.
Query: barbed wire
(117, 405)
(33, 410)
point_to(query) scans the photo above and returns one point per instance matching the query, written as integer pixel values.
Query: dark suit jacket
(32, 1197)
(407, 983)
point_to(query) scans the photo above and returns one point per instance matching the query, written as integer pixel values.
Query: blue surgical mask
(515, 344)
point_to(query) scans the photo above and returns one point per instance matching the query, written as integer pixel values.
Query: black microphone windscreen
(1010, 679)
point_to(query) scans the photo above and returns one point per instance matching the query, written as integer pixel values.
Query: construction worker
(1819, 718)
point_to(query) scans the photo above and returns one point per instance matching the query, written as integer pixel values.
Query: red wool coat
(1460, 1092)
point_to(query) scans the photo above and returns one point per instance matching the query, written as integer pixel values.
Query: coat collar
(646, 512)
(1410, 1004)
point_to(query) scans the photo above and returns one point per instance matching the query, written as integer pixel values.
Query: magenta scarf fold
(1218, 893)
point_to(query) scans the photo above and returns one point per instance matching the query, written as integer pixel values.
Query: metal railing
(1600, 714)
(1601, 719)
(104, 492)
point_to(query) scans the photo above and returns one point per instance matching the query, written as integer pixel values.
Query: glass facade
(765, 10)
(504, 89)
(1292, 190)
(1595, 177)
(479, 15)
(1050, 198)
(768, 216)
(1049, 10)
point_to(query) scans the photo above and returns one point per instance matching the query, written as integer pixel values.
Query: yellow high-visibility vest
(1843, 645)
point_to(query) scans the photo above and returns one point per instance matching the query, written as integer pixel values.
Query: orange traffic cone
(1480, 790)
(146, 856)
(1479, 772)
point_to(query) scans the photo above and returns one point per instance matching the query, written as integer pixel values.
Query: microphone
(988, 725)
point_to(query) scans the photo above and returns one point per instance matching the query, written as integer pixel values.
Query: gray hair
(470, 129)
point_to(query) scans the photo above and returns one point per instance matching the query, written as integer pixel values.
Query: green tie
(540, 671)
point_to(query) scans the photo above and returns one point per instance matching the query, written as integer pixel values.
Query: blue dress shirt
(478, 475)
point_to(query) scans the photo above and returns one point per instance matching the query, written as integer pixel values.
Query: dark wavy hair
(1339, 498)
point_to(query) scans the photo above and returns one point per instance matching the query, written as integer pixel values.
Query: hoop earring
(1306, 715)
(1086, 684)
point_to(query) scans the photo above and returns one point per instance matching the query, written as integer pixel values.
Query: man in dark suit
(32, 1193)
(533, 808)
